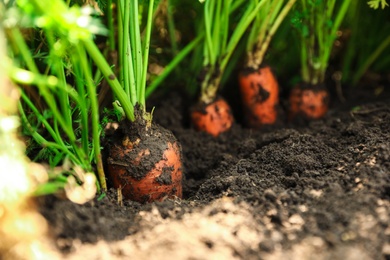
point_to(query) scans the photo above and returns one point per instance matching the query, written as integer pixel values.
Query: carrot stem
(91, 90)
(265, 40)
(318, 33)
(172, 65)
(368, 62)
(215, 61)
(116, 87)
(171, 28)
(146, 47)
(111, 31)
(82, 106)
(18, 40)
(126, 51)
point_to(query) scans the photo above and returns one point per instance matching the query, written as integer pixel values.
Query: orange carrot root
(214, 118)
(308, 102)
(131, 168)
(260, 96)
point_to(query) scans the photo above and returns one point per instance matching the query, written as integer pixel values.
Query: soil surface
(315, 191)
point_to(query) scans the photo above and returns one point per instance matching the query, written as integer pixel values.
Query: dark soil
(318, 191)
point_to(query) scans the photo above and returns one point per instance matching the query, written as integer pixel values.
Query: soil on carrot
(319, 191)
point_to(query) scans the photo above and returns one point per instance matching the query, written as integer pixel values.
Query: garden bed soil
(315, 191)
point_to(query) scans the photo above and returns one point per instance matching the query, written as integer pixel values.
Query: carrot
(308, 102)
(213, 118)
(258, 85)
(224, 24)
(145, 162)
(260, 96)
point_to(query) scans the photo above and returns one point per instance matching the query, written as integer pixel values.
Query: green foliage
(376, 3)
(367, 47)
(264, 27)
(317, 22)
(222, 38)
(64, 131)
(59, 66)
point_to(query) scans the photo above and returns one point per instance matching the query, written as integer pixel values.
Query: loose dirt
(316, 191)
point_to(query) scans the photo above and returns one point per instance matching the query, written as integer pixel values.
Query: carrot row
(260, 98)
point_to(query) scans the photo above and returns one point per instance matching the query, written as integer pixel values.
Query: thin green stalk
(79, 153)
(264, 19)
(354, 16)
(111, 31)
(82, 106)
(171, 28)
(97, 78)
(62, 95)
(265, 40)
(116, 87)
(246, 20)
(142, 99)
(173, 64)
(126, 46)
(225, 26)
(236, 4)
(332, 36)
(131, 74)
(213, 76)
(41, 118)
(94, 115)
(37, 137)
(18, 40)
(121, 48)
(317, 45)
(126, 53)
(253, 33)
(57, 68)
(370, 60)
(217, 27)
(304, 60)
(135, 41)
(58, 143)
(208, 20)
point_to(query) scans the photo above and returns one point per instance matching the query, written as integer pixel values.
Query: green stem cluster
(220, 42)
(69, 107)
(264, 27)
(73, 53)
(360, 55)
(318, 24)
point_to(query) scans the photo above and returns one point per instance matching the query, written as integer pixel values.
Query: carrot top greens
(73, 68)
(265, 24)
(220, 42)
(317, 23)
(375, 4)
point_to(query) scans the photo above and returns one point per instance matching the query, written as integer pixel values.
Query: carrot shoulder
(260, 96)
(213, 118)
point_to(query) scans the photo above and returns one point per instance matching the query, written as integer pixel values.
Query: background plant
(366, 41)
(65, 111)
(317, 23)
(221, 40)
(264, 27)
(67, 68)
